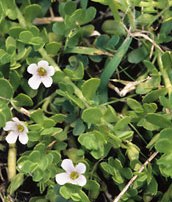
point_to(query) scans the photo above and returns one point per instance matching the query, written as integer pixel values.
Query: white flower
(16, 129)
(73, 173)
(42, 73)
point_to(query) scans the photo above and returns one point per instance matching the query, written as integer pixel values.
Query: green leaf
(37, 42)
(122, 123)
(145, 19)
(22, 55)
(165, 102)
(2, 118)
(132, 151)
(68, 190)
(23, 100)
(90, 14)
(94, 141)
(59, 28)
(58, 118)
(15, 31)
(48, 123)
(164, 164)
(9, 8)
(10, 44)
(154, 95)
(40, 199)
(51, 131)
(79, 127)
(166, 60)
(37, 116)
(164, 144)
(75, 70)
(94, 189)
(92, 115)
(5, 113)
(85, 50)
(147, 125)
(5, 57)
(72, 98)
(110, 114)
(52, 48)
(16, 182)
(158, 120)
(150, 108)
(104, 2)
(32, 11)
(6, 89)
(82, 16)
(35, 156)
(101, 41)
(37, 175)
(152, 187)
(25, 36)
(137, 55)
(110, 27)
(90, 87)
(70, 7)
(124, 135)
(112, 171)
(135, 105)
(83, 196)
(15, 79)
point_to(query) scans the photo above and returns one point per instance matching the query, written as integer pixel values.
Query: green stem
(113, 6)
(165, 76)
(131, 15)
(21, 18)
(131, 18)
(11, 161)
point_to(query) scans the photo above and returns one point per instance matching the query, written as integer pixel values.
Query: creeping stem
(165, 75)
(11, 161)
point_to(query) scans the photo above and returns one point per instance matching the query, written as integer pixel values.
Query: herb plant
(85, 100)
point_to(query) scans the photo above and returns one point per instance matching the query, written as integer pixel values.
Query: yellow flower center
(20, 128)
(41, 71)
(74, 175)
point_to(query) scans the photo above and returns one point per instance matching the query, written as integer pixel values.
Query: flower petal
(62, 178)
(81, 181)
(50, 71)
(42, 63)
(11, 137)
(34, 82)
(15, 119)
(10, 125)
(80, 168)
(67, 165)
(47, 81)
(25, 128)
(32, 69)
(23, 138)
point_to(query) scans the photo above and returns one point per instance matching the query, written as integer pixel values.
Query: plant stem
(165, 76)
(21, 18)
(11, 161)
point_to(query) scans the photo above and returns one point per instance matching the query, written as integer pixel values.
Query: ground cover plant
(85, 100)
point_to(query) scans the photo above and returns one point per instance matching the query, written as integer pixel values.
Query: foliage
(110, 104)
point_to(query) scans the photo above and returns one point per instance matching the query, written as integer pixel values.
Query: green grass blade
(111, 67)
